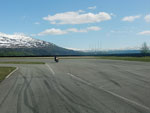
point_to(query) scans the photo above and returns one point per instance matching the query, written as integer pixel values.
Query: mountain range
(21, 45)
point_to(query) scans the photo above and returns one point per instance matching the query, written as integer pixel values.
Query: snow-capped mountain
(21, 41)
(21, 45)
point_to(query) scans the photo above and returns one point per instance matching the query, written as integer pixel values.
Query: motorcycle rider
(56, 59)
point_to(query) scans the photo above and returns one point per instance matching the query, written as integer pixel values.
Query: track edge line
(11, 73)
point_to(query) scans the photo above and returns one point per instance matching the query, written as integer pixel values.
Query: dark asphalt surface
(76, 86)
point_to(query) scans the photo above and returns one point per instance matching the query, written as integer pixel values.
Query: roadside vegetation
(4, 71)
(21, 62)
(145, 49)
(143, 59)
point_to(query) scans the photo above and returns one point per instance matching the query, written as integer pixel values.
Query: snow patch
(20, 40)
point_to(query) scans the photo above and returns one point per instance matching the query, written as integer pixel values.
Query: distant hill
(127, 52)
(20, 45)
(122, 51)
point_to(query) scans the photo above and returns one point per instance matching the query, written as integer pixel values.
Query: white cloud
(76, 30)
(131, 18)
(37, 23)
(78, 17)
(54, 31)
(80, 11)
(92, 8)
(76, 49)
(94, 28)
(147, 18)
(144, 32)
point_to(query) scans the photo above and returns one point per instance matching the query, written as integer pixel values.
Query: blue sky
(82, 24)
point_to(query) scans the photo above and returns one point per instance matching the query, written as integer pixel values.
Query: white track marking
(80, 79)
(50, 69)
(12, 72)
(114, 94)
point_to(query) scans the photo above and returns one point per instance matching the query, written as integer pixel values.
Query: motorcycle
(56, 59)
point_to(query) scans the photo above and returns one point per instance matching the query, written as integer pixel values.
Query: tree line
(145, 49)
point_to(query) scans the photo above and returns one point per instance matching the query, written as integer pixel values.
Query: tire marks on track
(105, 76)
(57, 94)
(13, 85)
(109, 92)
(19, 107)
(73, 103)
(132, 74)
(29, 92)
(25, 93)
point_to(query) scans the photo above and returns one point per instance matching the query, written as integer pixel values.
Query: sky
(79, 24)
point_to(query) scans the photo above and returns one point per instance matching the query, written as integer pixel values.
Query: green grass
(4, 71)
(77, 57)
(143, 59)
(21, 62)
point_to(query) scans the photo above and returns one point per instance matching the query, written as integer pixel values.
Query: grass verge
(21, 62)
(142, 59)
(4, 71)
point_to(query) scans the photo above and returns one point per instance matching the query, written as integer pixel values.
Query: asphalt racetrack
(76, 86)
